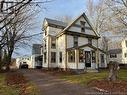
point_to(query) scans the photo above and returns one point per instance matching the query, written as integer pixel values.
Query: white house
(118, 51)
(71, 46)
(24, 60)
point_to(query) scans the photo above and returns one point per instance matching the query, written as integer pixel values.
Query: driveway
(51, 85)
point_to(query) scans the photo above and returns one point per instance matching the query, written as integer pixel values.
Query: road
(52, 85)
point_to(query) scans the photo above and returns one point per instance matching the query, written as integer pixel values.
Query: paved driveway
(51, 85)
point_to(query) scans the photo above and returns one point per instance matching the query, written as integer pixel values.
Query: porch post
(77, 58)
(65, 53)
(97, 56)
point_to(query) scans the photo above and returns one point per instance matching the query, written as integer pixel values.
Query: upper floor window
(53, 43)
(82, 26)
(90, 41)
(75, 41)
(113, 55)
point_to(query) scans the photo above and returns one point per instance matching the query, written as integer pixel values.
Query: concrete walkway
(51, 85)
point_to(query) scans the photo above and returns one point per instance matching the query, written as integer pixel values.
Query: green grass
(87, 77)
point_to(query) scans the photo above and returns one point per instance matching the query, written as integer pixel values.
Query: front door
(87, 59)
(102, 60)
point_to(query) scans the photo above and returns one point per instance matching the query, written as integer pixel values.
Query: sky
(56, 8)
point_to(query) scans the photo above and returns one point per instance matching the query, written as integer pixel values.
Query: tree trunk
(113, 71)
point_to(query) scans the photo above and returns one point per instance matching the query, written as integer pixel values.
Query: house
(36, 55)
(72, 46)
(118, 51)
(34, 60)
(24, 60)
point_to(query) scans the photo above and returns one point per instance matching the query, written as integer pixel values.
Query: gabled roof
(56, 22)
(115, 51)
(84, 15)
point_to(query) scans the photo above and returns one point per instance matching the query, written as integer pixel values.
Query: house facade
(71, 46)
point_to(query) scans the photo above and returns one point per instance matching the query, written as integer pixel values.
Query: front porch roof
(86, 45)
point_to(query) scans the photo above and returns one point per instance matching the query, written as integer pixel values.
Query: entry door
(102, 60)
(87, 58)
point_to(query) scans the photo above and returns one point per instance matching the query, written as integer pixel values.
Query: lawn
(7, 90)
(83, 79)
(16, 89)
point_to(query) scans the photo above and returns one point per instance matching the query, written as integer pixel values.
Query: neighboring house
(36, 55)
(24, 60)
(33, 61)
(118, 51)
(71, 46)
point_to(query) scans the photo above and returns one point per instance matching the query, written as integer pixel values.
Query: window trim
(81, 58)
(113, 55)
(71, 56)
(53, 57)
(75, 41)
(60, 57)
(83, 23)
(53, 43)
(90, 41)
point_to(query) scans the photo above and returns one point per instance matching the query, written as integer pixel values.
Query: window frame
(75, 41)
(113, 55)
(53, 57)
(53, 43)
(81, 55)
(60, 57)
(71, 56)
(90, 41)
(93, 57)
(83, 23)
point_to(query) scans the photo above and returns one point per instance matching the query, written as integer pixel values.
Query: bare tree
(118, 11)
(15, 31)
(97, 13)
(67, 19)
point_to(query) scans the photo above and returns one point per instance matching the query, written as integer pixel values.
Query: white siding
(78, 29)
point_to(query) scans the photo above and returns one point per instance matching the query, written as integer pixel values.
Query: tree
(118, 10)
(97, 14)
(67, 19)
(15, 31)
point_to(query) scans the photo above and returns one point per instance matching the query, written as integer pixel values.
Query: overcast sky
(56, 8)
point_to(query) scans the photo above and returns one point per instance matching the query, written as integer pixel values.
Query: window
(125, 54)
(60, 57)
(93, 57)
(53, 43)
(75, 41)
(113, 55)
(45, 57)
(82, 26)
(53, 57)
(90, 41)
(71, 56)
(81, 59)
(126, 43)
